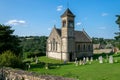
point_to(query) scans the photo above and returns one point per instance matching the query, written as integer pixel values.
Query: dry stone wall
(13, 74)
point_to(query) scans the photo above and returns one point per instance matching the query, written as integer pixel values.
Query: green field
(94, 71)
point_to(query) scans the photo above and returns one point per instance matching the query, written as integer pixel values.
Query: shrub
(8, 59)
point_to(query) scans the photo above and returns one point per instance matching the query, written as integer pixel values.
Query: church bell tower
(67, 34)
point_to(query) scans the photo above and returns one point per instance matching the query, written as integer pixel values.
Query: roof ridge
(58, 32)
(77, 31)
(87, 35)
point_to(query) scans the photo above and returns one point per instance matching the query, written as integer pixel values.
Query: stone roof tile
(68, 13)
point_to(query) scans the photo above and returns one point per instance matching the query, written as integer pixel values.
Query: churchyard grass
(93, 71)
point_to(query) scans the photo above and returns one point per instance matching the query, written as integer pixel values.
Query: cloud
(59, 8)
(78, 23)
(102, 28)
(104, 14)
(15, 22)
(49, 29)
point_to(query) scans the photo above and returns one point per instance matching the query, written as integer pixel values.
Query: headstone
(36, 61)
(80, 62)
(64, 61)
(76, 63)
(87, 59)
(84, 61)
(6, 78)
(75, 60)
(110, 59)
(91, 59)
(28, 66)
(100, 59)
(46, 66)
(32, 59)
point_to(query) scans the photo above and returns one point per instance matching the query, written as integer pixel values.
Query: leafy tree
(117, 37)
(95, 40)
(99, 40)
(9, 59)
(118, 33)
(8, 41)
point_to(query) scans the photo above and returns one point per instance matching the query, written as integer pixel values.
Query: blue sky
(37, 17)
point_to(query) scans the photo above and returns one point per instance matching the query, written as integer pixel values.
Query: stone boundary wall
(13, 74)
(103, 51)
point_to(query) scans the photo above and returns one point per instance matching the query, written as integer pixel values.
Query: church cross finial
(83, 29)
(54, 26)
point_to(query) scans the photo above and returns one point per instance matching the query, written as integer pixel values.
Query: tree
(118, 20)
(33, 45)
(117, 37)
(8, 41)
(9, 59)
(118, 33)
(99, 41)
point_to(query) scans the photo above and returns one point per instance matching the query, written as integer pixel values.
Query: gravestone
(46, 66)
(6, 78)
(64, 61)
(84, 61)
(110, 59)
(28, 66)
(75, 60)
(36, 60)
(80, 62)
(87, 59)
(100, 59)
(91, 59)
(76, 64)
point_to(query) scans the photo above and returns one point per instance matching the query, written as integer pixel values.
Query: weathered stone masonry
(13, 74)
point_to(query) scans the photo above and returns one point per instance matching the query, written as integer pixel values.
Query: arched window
(64, 23)
(84, 47)
(53, 44)
(56, 46)
(88, 47)
(50, 46)
(78, 48)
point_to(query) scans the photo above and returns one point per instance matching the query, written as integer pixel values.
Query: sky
(38, 17)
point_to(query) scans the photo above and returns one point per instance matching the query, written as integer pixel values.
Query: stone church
(67, 43)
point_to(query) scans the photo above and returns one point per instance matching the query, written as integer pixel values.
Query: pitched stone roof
(59, 31)
(68, 13)
(80, 36)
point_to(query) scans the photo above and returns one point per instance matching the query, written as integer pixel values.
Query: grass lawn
(94, 71)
